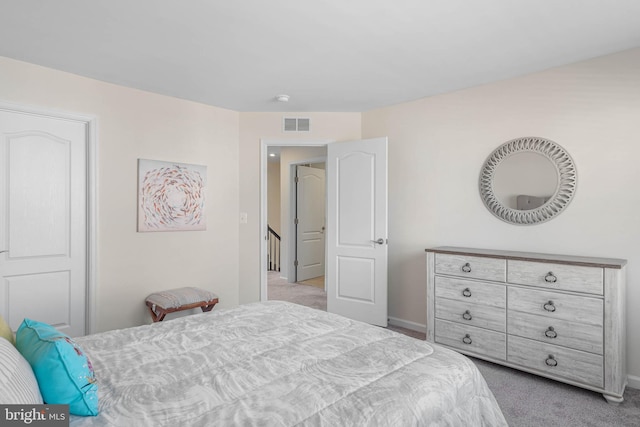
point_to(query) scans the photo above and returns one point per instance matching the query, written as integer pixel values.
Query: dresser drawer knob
(550, 307)
(466, 268)
(466, 292)
(551, 333)
(550, 277)
(467, 339)
(551, 361)
(467, 315)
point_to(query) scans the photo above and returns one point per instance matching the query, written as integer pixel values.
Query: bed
(280, 364)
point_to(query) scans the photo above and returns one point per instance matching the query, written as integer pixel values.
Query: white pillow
(18, 384)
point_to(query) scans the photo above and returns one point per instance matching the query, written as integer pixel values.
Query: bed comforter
(281, 364)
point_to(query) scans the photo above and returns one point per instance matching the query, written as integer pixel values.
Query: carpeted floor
(318, 282)
(526, 400)
(307, 295)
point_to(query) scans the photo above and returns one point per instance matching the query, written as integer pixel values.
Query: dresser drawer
(471, 267)
(471, 339)
(470, 291)
(567, 363)
(468, 313)
(555, 305)
(574, 335)
(556, 276)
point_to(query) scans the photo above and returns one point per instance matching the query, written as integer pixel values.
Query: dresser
(561, 317)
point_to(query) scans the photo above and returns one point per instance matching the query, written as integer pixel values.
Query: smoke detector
(282, 98)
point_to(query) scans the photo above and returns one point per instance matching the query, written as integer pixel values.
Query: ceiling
(327, 55)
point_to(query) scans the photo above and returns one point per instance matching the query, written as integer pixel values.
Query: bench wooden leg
(159, 317)
(206, 308)
(159, 313)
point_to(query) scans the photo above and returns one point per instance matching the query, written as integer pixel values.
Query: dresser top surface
(532, 256)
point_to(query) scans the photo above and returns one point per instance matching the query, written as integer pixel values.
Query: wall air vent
(296, 124)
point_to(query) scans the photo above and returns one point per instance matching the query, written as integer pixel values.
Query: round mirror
(527, 181)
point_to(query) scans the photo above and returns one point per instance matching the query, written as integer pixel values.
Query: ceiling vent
(296, 124)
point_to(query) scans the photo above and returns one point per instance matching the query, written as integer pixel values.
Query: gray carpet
(307, 295)
(531, 401)
(526, 400)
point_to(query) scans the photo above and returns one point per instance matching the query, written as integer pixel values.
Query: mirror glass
(525, 181)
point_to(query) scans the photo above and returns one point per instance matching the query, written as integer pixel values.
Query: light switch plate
(243, 217)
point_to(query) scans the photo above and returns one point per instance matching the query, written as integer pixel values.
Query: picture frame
(171, 196)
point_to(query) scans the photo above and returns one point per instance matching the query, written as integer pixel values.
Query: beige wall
(253, 128)
(133, 124)
(273, 196)
(437, 146)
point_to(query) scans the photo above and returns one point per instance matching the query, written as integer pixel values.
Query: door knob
(380, 241)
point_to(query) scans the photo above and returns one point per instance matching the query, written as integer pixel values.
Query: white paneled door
(43, 220)
(310, 211)
(356, 277)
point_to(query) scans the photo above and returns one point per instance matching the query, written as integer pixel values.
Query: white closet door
(43, 220)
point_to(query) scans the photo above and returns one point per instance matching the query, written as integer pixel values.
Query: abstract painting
(171, 196)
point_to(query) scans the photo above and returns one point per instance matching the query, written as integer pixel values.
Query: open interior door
(310, 211)
(356, 261)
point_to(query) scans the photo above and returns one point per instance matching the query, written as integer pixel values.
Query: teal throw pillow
(63, 371)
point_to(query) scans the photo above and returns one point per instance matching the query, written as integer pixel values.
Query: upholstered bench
(162, 303)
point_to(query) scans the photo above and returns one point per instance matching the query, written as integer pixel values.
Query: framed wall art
(171, 196)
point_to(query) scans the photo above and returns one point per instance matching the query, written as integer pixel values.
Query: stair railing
(273, 250)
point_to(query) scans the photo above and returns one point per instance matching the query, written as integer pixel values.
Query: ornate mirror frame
(567, 180)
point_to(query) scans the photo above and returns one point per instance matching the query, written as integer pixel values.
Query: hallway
(308, 295)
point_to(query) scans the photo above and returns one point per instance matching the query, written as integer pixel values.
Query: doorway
(295, 216)
(356, 212)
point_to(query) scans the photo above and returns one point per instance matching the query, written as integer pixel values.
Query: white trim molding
(633, 382)
(401, 323)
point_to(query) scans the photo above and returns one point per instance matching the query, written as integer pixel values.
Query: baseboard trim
(633, 382)
(401, 323)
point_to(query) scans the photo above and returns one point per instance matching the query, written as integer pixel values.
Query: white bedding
(281, 364)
